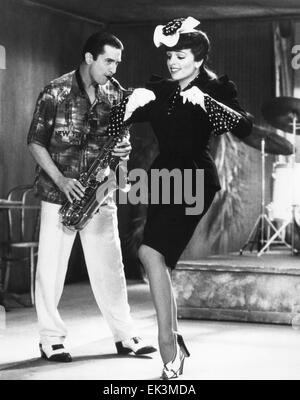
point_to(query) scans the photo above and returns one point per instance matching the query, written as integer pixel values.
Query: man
(67, 131)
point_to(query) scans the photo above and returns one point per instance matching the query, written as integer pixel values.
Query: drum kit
(281, 113)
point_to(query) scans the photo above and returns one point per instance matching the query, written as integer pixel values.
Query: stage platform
(244, 288)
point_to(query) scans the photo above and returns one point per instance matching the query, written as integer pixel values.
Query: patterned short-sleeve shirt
(70, 128)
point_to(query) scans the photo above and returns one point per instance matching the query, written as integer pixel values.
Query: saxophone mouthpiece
(127, 92)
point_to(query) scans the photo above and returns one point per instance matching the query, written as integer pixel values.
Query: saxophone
(105, 175)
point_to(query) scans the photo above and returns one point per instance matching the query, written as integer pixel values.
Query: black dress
(183, 132)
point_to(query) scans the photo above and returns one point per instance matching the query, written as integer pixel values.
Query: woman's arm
(227, 110)
(222, 107)
(228, 117)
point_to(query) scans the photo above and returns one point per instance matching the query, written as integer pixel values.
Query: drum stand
(294, 206)
(263, 223)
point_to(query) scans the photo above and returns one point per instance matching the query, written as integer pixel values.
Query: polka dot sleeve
(222, 118)
(116, 125)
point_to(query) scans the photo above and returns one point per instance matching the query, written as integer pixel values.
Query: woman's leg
(162, 294)
(174, 312)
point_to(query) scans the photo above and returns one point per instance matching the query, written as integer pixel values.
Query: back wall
(40, 45)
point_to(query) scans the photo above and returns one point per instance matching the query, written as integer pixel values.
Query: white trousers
(102, 252)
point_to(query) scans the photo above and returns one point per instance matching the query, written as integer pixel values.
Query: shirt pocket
(68, 124)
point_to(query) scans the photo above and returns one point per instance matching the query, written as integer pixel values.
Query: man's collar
(78, 86)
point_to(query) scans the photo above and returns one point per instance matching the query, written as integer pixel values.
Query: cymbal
(274, 144)
(280, 112)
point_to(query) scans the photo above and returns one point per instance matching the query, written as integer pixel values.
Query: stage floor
(277, 262)
(219, 350)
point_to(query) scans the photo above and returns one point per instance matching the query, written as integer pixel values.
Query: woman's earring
(199, 64)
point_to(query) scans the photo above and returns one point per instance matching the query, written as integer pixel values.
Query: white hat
(169, 34)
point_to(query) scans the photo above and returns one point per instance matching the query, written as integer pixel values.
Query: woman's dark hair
(199, 44)
(95, 44)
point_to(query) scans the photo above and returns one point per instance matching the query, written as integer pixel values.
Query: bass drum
(286, 193)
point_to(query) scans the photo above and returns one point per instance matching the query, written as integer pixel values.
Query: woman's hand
(195, 96)
(139, 98)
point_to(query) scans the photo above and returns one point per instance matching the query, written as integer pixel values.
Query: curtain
(283, 44)
(284, 73)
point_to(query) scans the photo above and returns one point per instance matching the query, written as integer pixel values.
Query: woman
(187, 110)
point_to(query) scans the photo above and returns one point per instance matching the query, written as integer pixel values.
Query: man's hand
(194, 95)
(123, 149)
(72, 188)
(139, 98)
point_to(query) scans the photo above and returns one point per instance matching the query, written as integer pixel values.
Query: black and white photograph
(149, 193)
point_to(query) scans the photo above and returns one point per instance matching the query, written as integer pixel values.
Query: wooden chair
(22, 234)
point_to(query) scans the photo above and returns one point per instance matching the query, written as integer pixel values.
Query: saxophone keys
(102, 174)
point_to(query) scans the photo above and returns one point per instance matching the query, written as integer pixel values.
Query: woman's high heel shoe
(182, 345)
(174, 368)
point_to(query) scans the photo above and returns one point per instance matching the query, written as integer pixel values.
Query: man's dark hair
(95, 44)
